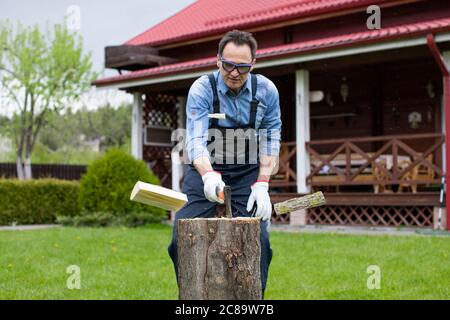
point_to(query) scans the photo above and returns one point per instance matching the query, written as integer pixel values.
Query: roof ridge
(163, 21)
(266, 10)
(404, 30)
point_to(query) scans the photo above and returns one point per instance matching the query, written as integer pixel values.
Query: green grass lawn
(120, 263)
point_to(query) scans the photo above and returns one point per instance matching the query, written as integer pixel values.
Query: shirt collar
(223, 88)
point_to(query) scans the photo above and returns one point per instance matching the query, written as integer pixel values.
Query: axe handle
(225, 195)
(227, 200)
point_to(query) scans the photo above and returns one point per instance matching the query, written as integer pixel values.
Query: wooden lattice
(160, 163)
(160, 110)
(281, 219)
(388, 216)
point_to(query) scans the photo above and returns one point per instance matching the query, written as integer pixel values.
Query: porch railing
(378, 161)
(286, 175)
(395, 162)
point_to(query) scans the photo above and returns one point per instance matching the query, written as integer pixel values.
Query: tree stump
(219, 258)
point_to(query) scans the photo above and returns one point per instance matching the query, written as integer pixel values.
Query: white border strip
(444, 37)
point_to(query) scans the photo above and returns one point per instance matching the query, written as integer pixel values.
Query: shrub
(97, 219)
(105, 219)
(37, 201)
(107, 185)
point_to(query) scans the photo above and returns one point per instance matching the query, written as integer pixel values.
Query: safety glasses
(242, 68)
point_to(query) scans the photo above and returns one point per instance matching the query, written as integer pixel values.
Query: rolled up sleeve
(197, 121)
(270, 128)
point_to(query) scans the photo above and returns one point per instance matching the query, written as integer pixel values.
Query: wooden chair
(417, 173)
(423, 172)
(408, 176)
(380, 176)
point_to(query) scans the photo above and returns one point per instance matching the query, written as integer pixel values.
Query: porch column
(177, 162)
(446, 56)
(446, 153)
(302, 128)
(136, 127)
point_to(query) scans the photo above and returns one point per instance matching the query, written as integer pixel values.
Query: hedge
(107, 219)
(37, 201)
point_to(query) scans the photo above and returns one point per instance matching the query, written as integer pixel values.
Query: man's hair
(239, 38)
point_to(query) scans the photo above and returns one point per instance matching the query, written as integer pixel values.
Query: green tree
(40, 73)
(111, 126)
(4, 125)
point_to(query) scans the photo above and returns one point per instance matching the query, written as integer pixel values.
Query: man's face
(236, 54)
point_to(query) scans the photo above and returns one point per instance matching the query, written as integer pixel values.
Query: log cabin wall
(412, 89)
(381, 101)
(356, 22)
(414, 86)
(338, 116)
(286, 89)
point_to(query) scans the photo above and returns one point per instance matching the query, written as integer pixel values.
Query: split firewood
(158, 196)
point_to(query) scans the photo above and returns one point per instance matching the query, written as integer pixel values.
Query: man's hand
(260, 194)
(212, 181)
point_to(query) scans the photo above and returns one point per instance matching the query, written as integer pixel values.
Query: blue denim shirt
(237, 110)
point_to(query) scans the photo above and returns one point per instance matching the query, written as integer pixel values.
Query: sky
(102, 23)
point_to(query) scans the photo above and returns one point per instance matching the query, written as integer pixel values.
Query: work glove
(260, 194)
(212, 183)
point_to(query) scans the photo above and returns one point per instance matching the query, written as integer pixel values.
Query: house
(5, 145)
(363, 92)
(92, 144)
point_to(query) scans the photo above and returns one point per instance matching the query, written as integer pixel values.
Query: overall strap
(216, 103)
(254, 103)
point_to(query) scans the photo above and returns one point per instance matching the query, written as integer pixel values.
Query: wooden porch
(387, 180)
(370, 181)
(370, 209)
(384, 163)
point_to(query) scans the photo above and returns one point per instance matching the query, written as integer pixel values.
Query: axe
(225, 195)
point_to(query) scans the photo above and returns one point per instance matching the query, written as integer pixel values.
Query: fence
(58, 171)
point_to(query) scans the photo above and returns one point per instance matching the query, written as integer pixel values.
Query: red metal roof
(390, 33)
(209, 17)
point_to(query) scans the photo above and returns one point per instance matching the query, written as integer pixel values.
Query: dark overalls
(239, 177)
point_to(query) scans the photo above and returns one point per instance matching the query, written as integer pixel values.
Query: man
(232, 99)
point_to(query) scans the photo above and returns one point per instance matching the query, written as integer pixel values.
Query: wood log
(309, 201)
(219, 258)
